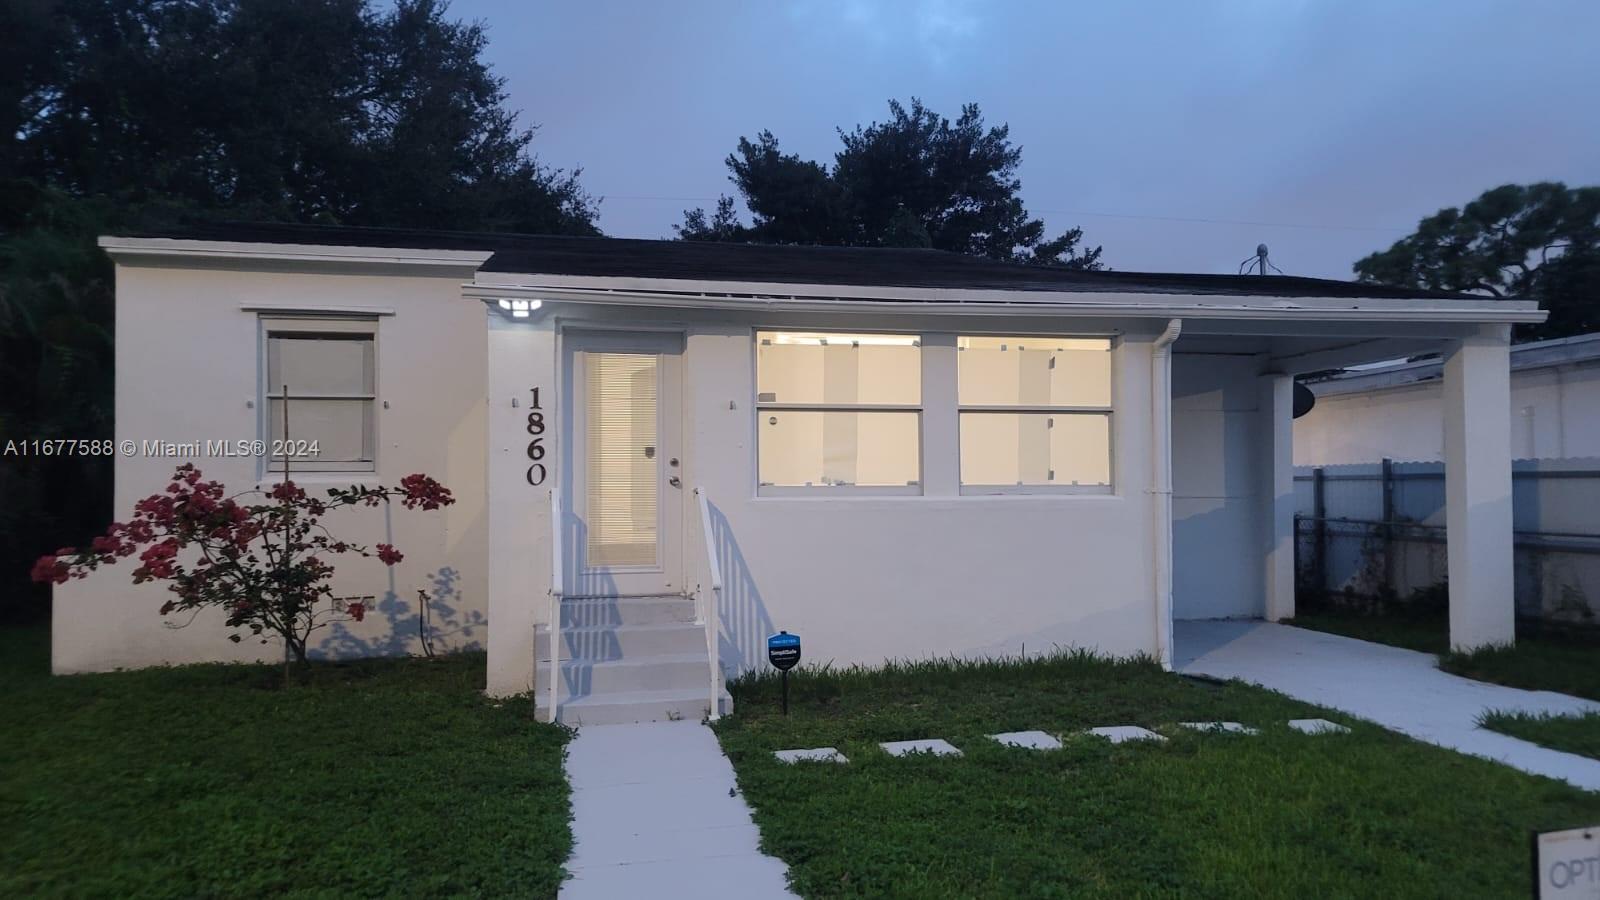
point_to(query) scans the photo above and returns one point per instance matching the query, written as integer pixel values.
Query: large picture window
(1035, 412)
(329, 369)
(838, 411)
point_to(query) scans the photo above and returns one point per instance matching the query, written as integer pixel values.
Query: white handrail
(712, 614)
(556, 591)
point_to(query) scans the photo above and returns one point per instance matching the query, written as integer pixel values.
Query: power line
(1192, 220)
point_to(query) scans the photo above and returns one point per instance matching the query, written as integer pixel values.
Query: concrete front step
(607, 642)
(610, 612)
(626, 707)
(679, 671)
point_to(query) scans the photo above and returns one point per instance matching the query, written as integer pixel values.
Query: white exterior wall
(1218, 568)
(862, 579)
(187, 370)
(1554, 414)
(866, 579)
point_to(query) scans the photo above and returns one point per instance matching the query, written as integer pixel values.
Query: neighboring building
(896, 453)
(1395, 411)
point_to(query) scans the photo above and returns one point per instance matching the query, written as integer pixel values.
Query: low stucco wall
(187, 369)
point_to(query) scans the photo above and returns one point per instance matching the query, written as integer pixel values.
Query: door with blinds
(626, 470)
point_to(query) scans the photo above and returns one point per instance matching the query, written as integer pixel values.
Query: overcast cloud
(1329, 128)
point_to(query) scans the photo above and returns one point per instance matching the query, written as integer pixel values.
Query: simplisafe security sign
(783, 650)
(1566, 864)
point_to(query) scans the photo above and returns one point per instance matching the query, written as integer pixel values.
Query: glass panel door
(623, 470)
(625, 480)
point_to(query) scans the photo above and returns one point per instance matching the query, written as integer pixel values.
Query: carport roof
(768, 263)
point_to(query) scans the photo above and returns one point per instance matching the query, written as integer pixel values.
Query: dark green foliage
(1539, 242)
(917, 180)
(1570, 734)
(1279, 814)
(378, 778)
(119, 115)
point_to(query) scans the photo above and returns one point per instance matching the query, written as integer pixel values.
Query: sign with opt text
(1566, 864)
(783, 650)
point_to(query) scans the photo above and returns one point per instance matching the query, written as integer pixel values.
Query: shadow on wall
(745, 622)
(581, 649)
(447, 620)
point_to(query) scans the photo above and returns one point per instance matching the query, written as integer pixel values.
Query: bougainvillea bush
(260, 556)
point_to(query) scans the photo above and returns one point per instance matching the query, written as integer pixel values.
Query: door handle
(675, 481)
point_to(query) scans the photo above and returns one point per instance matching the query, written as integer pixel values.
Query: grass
(1541, 659)
(1276, 814)
(1578, 734)
(390, 777)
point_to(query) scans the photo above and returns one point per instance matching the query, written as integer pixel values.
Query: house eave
(955, 302)
(191, 253)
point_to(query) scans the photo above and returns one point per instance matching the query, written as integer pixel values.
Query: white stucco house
(1395, 411)
(685, 447)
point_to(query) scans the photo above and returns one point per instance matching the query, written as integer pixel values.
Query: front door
(627, 488)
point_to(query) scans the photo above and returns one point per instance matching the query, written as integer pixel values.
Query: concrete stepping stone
(817, 754)
(1317, 726)
(1119, 733)
(1029, 740)
(936, 746)
(1233, 727)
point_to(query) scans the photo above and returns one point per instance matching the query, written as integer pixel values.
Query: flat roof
(777, 263)
(1581, 349)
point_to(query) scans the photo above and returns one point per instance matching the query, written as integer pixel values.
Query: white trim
(313, 311)
(944, 302)
(121, 248)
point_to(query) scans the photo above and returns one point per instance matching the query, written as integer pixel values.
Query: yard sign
(1566, 864)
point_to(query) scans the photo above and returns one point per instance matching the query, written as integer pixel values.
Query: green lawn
(1276, 814)
(1573, 734)
(377, 778)
(1567, 663)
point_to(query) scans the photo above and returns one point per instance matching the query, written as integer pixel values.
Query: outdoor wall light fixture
(520, 309)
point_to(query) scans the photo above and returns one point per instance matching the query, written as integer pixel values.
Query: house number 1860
(536, 471)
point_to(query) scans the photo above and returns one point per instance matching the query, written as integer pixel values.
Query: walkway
(655, 815)
(1398, 689)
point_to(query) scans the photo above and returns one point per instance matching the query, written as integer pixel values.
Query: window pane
(812, 367)
(623, 472)
(342, 429)
(1035, 448)
(320, 364)
(838, 448)
(1034, 371)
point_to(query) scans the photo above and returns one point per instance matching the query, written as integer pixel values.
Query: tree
(916, 180)
(1536, 242)
(264, 564)
(139, 114)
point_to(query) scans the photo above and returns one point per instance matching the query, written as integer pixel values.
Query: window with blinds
(624, 475)
(329, 370)
(1035, 411)
(838, 411)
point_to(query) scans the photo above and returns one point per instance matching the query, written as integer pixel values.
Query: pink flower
(49, 569)
(357, 611)
(389, 554)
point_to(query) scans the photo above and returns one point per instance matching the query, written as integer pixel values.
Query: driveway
(1399, 689)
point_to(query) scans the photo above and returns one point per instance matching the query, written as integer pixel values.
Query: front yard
(1279, 813)
(378, 778)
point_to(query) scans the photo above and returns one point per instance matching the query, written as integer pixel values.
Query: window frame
(1107, 412)
(819, 491)
(270, 326)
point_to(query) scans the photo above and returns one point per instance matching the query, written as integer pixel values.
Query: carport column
(1275, 491)
(521, 357)
(1477, 483)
